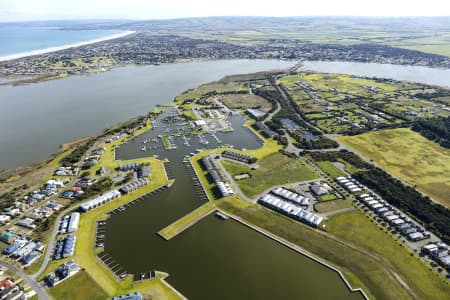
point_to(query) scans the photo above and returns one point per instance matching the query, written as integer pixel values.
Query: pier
(187, 221)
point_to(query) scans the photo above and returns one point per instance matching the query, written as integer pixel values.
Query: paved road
(52, 242)
(42, 294)
(270, 116)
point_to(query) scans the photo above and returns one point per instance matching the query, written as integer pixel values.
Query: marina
(210, 238)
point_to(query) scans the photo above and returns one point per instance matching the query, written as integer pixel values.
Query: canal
(214, 259)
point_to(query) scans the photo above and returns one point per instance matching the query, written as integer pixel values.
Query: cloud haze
(18, 10)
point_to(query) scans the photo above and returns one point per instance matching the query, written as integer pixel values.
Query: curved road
(40, 291)
(52, 242)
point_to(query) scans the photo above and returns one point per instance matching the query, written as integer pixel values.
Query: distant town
(146, 48)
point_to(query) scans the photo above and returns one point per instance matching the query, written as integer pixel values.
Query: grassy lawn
(329, 197)
(244, 101)
(328, 206)
(275, 169)
(409, 156)
(184, 222)
(80, 286)
(371, 271)
(330, 169)
(356, 227)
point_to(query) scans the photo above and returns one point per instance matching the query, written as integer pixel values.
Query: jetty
(187, 221)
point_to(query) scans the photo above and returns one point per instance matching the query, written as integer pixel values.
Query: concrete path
(42, 294)
(338, 211)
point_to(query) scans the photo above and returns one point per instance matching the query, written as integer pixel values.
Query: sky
(26, 10)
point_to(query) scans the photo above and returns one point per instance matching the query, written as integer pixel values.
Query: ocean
(25, 38)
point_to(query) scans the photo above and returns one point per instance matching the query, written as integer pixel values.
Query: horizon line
(218, 16)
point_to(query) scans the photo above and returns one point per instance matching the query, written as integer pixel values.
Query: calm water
(20, 38)
(214, 259)
(35, 119)
(423, 75)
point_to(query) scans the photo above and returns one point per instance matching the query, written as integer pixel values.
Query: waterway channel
(419, 74)
(214, 259)
(36, 118)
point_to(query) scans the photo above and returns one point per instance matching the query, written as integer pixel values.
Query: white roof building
(100, 200)
(73, 223)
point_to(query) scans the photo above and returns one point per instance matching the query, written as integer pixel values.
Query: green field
(378, 274)
(275, 169)
(330, 169)
(422, 34)
(329, 206)
(356, 227)
(80, 286)
(437, 44)
(244, 101)
(409, 156)
(329, 197)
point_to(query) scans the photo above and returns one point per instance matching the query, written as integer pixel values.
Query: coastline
(63, 47)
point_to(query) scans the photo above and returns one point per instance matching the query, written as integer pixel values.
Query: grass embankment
(275, 169)
(409, 156)
(373, 272)
(85, 253)
(186, 221)
(80, 286)
(359, 229)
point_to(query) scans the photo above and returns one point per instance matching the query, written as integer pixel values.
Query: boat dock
(221, 215)
(216, 138)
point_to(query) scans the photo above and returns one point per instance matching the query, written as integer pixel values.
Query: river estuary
(36, 118)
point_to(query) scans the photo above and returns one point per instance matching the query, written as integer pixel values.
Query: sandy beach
(59, 48)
